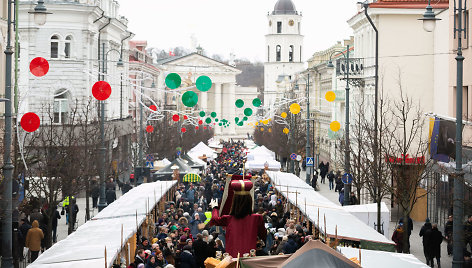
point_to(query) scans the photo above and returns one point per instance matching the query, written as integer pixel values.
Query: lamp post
(307, 147)
(460, 28)
(102, 150)
(347, 155)
(377, 194)
(40, 15)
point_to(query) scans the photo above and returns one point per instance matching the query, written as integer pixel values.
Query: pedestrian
(110, 195)
(331, 180)
(314, 180)
(427, 226)
(406, 248)
(448, 234)
(33, 240)
(200, 248)
(140, 257)
(433, 240)
(397, 237)
(353, 199)
(341, 197)
(195, 224)
(23, 231)
(55, 219)
(95, 194)
(187, 259)
(323, 171)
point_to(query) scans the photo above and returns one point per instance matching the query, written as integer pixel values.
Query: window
(67, 47)
(61, 108)
(268, 53)
(279, 27)
(54, 47)
(290, 54)
(277, 52)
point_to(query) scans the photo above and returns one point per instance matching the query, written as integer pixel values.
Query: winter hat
(173, 228)
(183, 239)
(154, 241)
(155, 245)
(186, 229)
(148, 252)
(186, 214)
(427, 220)
(141, 265)
(205, 233)
(273, 214)
(284, 238)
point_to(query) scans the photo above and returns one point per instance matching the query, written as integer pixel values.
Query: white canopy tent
(310, 202)
(260, 153)
(368, 214)
(86, 246)
(260, 164)
(202, 149)
(384, 259)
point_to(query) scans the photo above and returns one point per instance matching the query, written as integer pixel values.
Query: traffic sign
(150, 158)
(310, 162)
(347, 178)
(178, 153)
(150, 164)
(299, 158)
(293, 156)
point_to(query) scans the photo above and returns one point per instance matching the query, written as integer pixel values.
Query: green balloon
(239, 103)
(245, 118)
(256, 102)
(216, 119)
(248, 111)
(213, 114)
(220, 124)
(236, 119)
(203, 83)
(190, 99)
(202, 114)
(208, 120)
(241, 123)
(173, 80)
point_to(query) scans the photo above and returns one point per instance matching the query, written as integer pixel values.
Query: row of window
(278, 53)
(55, 47)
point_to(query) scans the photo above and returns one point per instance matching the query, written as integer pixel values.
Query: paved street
(416, 247)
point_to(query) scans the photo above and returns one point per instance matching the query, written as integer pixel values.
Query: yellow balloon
(270, 130)
(257, 123)
(286, 131)
(270, 119)
(330, 96)
(265, 122)
(262, 129)
(284, 115)
(335, 126)
(295, 108)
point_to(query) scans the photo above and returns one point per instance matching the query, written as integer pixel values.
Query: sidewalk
(416, 244)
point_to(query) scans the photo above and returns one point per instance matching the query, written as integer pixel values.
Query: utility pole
(347, 156)
(308, 149)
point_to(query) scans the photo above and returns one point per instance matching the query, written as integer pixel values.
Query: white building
(284, 46)
(76, 38)
(220, 98)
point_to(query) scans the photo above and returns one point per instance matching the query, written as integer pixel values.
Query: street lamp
(308, 148)
(429, 18)
(40, 13)
(347, 155)
(460, 27)
(7, 227)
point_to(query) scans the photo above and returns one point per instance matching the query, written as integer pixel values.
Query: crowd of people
(184, 237)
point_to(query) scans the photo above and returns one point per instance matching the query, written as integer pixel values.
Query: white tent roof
(202, 149)
(367, 213)
(375, 258)
(348, 225)
(259, 164)
(213, 143)
(87, 244)
(260, 153)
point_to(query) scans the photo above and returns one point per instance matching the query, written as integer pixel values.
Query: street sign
(178, 153)
(310, 162)
(150, 164)
(299, 158)
(150, 158)
(293, 156)
(347, 178)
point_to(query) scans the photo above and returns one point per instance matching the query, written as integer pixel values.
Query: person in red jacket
(242, 227)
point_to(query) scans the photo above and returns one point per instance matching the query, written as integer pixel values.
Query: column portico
(217, 104)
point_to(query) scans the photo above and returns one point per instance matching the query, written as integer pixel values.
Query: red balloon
(200, 122)
(197, 128)
(149, 129)
(185, 117)
(39, 66)
(153, 107)
(183, 130)
(101, 90)
(204, 127)
(30, 122)
(176, 117)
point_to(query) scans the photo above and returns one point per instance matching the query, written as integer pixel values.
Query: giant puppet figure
(242, 227)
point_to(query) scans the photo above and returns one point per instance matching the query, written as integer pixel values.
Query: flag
(434, 151)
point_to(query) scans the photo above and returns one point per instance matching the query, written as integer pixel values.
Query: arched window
(278, 53)
(67, 47)
(61, 108)
(268, 53)
(54, 47)
(290, 54)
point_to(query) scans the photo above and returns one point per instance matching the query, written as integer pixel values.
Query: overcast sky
(233, 26)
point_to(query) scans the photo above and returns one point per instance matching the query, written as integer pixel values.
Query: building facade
(83, 42)
(284, 48)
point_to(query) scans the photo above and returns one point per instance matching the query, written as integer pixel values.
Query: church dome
(284, 7)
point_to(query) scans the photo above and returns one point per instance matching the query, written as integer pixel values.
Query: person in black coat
(427, 226)
(433, 239)
(314, 180)
(95, 194)
(186, 258)
(201, 250)
(290, 246)
(55, 218)
(110, 196)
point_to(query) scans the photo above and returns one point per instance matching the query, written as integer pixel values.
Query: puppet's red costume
(241, 232)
